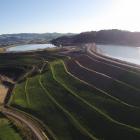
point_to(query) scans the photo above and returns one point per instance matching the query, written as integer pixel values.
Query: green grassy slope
(72, 110)
(19, 95)
(41, 106)
(92, 119)
(7, 130)
(125, 93)
(125, 75)
(113, 108)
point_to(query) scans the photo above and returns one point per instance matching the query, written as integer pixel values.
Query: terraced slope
(95, 97)
(72, 109)
(42, 106)
(127, 94)
(80, 98)
(125, 75)
(7, 130)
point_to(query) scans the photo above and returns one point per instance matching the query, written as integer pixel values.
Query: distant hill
(114, 36)
(26, 38)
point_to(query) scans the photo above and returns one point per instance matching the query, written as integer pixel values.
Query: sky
(41, 16)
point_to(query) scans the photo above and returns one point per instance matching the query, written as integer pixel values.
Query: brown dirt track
(3, 91)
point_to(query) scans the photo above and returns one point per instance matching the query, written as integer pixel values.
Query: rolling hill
(113, 36)
(28, 38)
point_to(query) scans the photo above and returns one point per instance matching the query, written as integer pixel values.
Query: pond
(29, 47)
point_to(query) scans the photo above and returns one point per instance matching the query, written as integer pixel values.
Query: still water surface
(125, 53)
(29, 47)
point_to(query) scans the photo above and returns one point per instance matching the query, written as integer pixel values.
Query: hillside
(26, 38)
(75, 94)
(114, 36)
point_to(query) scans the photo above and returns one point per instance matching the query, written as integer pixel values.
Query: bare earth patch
(3, 91)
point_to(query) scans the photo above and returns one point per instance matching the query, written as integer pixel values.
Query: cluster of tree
(113, 36)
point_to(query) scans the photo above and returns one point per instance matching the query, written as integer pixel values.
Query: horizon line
(65, 32)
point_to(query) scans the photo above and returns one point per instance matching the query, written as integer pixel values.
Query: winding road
(30, 123)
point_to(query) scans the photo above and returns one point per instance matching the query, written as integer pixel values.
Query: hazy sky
(68, 15)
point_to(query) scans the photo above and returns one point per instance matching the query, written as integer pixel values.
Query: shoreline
(124, 45)
(130, 64)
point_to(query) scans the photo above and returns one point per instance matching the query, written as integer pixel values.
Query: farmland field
(77, 97)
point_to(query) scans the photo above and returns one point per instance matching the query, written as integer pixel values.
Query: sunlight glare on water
(126, 53)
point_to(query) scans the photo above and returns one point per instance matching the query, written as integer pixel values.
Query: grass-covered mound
(7, 130)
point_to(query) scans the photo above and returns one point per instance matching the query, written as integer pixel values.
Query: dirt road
(29, 122)
(3, 92)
